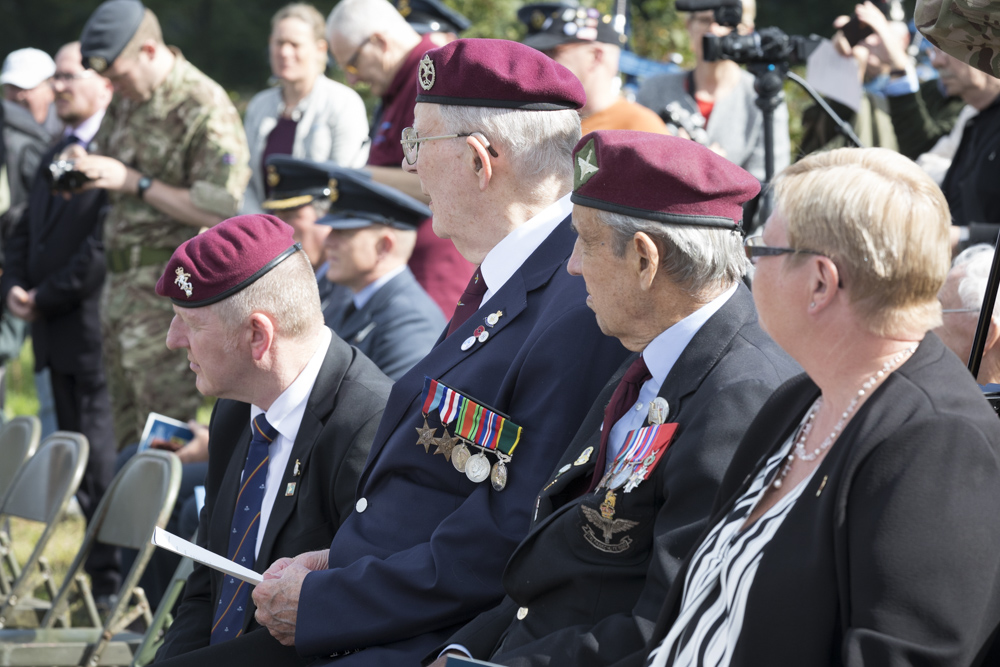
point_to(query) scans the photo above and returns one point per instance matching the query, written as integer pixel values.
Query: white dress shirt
(87, 130)
(661, 354)
(285, 415)
(369, 290)
(507, 256)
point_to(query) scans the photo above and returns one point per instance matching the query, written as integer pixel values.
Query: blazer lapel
(318, 408)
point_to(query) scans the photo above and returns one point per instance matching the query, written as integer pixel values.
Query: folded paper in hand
(170, 542)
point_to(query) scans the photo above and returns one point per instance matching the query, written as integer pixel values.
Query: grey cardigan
(332, 126)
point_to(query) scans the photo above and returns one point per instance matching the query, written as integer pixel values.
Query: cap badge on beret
(273, 178)
(427, 74)
(586, 165)
(182, 281)
(334, 192)
(98, 64)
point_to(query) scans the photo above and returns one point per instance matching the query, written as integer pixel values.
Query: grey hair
(357, 20)
(977, 260)
(696, 258)
(538, 144)
(288, 293)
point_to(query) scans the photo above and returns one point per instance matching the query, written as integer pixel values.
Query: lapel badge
(467, 343)
(426, 75)
(584, 457)
(297, 470)
(182, 281)
(493, 318)
(822, 485)
(479, 331)
(290, 489)
(658, 410)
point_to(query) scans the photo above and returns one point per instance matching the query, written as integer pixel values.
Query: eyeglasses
(411, 142)
(754, 247)
(351, 66)
(66, 77)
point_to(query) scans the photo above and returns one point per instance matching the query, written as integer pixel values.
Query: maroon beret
(660, 178)
(496, 73)
(225, 259)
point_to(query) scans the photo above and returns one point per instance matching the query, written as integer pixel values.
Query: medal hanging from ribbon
(642, 451)
(475, 426)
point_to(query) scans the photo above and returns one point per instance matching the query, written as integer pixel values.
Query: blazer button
(521, 613)
(361, 505)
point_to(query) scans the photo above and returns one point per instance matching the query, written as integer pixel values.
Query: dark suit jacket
(56, 247)
(593, 604)
(334, 437)
(428, 551)
(396, 328)
(889, 556)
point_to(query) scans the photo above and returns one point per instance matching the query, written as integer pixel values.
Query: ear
(824, 283)
(379, 40)
(645, 259)
(385, 243)
(992, 334)
(481, 162)
(149, 48)
(261, 335)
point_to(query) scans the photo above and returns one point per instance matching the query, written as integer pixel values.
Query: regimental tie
(243, 534)
(623, 398)
(471, 299)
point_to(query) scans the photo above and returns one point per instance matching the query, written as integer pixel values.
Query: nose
(575, 264)
(175, 336)
(409, 168)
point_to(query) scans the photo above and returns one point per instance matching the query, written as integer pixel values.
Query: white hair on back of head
(357, 20)
(538, 144)
(977, 260)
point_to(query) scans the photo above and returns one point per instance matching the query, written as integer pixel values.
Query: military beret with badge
(108, 30)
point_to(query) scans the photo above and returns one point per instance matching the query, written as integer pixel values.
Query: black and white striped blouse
(719, 578)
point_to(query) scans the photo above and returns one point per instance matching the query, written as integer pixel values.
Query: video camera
(767, 46)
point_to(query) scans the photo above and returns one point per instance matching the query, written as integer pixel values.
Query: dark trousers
(83, 405)
(254, 648)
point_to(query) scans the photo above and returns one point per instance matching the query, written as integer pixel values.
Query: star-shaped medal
(425, 436)
(445, 444)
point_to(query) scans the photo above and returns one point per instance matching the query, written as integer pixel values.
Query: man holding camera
(52, 278)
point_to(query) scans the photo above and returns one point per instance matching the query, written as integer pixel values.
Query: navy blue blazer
(396, 328)
(590, 598)
(425, 548)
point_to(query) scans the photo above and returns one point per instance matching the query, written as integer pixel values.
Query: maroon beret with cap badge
(660, 178)
(496, 73)
(225, 259)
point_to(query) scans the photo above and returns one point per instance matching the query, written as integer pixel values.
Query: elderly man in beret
(663, 266)
(297, 412)
(471, 432)
(172, 155)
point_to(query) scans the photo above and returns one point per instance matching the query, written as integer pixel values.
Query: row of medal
(475, 466)
(641, 451)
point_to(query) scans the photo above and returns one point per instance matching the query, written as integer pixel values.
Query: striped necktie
(243, 536)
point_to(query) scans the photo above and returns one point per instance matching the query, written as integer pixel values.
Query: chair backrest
(45, 483)
(18, 441)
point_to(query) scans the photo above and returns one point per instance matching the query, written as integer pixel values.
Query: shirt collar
(507, 256)
(285, 414)
(663, 351)
(86, 130)
(368, 291)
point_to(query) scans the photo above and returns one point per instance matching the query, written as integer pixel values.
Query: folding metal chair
(140, 497)
(163, 618)
(18, 441)
(40, 492)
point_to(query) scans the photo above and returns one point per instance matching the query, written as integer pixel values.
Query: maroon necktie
(469, 303)
(625, 396)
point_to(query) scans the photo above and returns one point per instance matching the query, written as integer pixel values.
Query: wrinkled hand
(311, 560)
(21, 303)
(277, 600)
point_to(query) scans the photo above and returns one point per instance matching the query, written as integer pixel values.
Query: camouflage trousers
(143, 375)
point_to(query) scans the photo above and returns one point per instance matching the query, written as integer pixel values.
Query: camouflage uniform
(188, 135)
(966, 29)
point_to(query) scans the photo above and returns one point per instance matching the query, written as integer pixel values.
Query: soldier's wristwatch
(144, 183)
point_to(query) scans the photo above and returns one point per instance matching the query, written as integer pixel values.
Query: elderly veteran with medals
(858, 523)
(437, 516)
(635, 487)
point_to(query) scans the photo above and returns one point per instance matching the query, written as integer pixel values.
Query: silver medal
(459, 456)
(477, 468)
(620, 477)
(498, 476)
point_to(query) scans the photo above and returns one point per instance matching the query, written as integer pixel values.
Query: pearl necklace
(799, 450)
